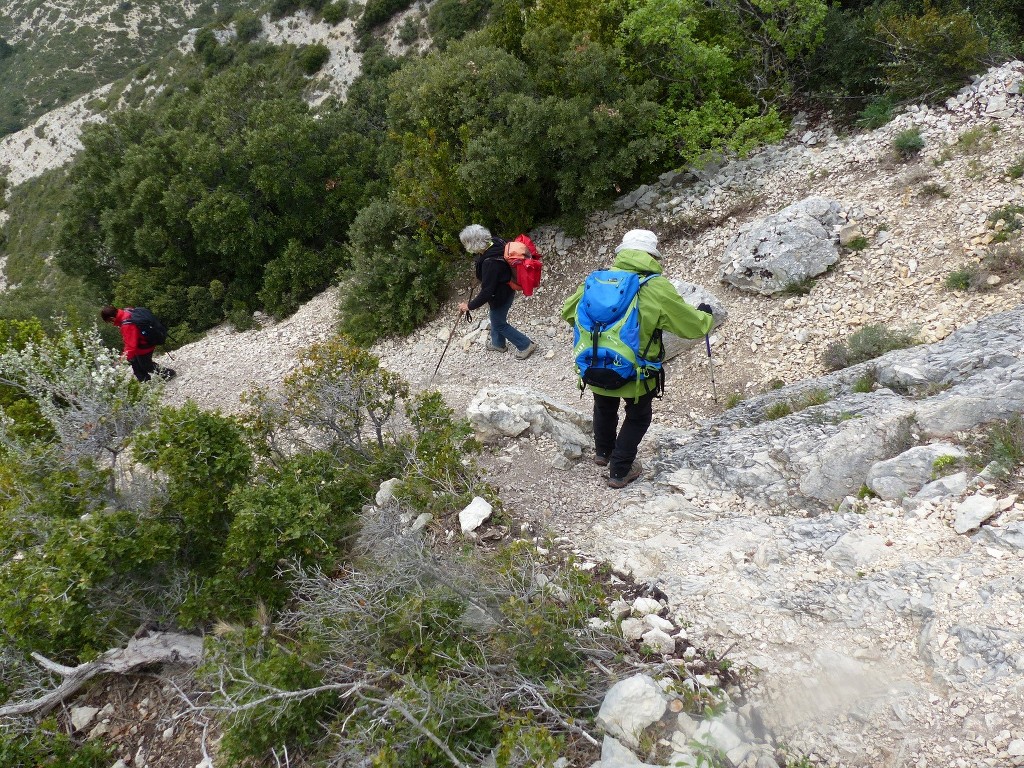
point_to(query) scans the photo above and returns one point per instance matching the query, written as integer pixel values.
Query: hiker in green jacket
(661, 308)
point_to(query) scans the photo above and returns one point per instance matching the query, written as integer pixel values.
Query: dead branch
(144, 651)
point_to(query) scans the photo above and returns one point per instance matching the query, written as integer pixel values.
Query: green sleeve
(677, 316)
(569, 308)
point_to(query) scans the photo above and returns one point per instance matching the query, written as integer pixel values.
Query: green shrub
(450, 20)
(814, 397)
(1006, 261)
(867, 382)
(1012, 215)
(800, 287)
(47, 746)
(75, 531)
(1016, 169)
(879, 111)
(409, 32)
(966, 278)
(1003, 444)
(248, 26)
(311, 58)
(908, 143)
(845, 69)
(281, 8)
(271, 663)
(441, 478)
(295, 276)
(930, 55)
(858, 243)
(778, 411)
(943, 465)
(734, 399)
(246, 172)
(204, 456)
(336, 12)
(867, 343)
(302, 512)
(874, 340)
(376, 12)
(442, 675)
(866, 493)
(934, 189)
(391, 267)
(835, 356)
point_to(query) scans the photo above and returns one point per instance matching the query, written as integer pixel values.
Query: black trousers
(143, 367)
(621, 445)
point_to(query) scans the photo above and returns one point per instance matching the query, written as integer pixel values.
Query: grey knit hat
(640, 240)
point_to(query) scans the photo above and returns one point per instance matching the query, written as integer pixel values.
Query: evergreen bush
(311, 58)
(908, 143)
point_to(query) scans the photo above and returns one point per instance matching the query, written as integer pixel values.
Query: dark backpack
(607, 341)
(152, 330)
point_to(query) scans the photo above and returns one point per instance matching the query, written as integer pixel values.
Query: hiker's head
(640, 240)
(475, 238)
(108, 313)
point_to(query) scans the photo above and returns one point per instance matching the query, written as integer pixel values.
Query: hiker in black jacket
(494, 275)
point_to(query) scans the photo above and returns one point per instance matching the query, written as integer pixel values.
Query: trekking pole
(711, 366)
(448, 343)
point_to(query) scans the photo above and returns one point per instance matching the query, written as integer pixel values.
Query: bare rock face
(816, 442)
(797, 243)
(512, 411)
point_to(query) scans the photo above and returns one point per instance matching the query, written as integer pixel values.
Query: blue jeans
(502, 331)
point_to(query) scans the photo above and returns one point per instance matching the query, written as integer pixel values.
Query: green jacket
(660, 305)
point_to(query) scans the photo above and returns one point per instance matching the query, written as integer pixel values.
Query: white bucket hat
(640, 240)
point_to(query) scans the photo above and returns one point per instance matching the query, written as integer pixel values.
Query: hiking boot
(621, 482)
(522, 354)
(167, 373)
(493, 348)
(601, 459)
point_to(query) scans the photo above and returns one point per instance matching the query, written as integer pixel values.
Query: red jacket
(134, 342)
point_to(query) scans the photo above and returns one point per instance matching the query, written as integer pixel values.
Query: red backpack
(524, 258)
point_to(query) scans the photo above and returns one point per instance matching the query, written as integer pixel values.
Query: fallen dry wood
(143, 651)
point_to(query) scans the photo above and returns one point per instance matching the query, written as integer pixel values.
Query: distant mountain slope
(58, 50)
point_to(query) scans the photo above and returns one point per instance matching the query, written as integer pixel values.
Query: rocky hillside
(57, 51)
(876, 631)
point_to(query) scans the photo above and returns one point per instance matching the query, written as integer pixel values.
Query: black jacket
(494, 274)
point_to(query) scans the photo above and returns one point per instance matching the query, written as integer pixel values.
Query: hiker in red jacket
(137, 350)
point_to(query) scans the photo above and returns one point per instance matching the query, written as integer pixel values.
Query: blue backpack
(606, 340)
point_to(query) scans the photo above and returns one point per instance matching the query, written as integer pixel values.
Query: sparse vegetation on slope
(70, 53)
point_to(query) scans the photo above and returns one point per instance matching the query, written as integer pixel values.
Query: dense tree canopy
(236, 190)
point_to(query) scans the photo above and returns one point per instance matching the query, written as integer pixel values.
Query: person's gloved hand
(705, 308)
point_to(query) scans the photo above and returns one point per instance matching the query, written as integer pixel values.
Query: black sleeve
(488, 285)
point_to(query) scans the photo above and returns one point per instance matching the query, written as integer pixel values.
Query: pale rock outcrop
(787, 247)
(630, 706)
(512, 411)
(905, 474)
(474, 515)
(821, 453)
